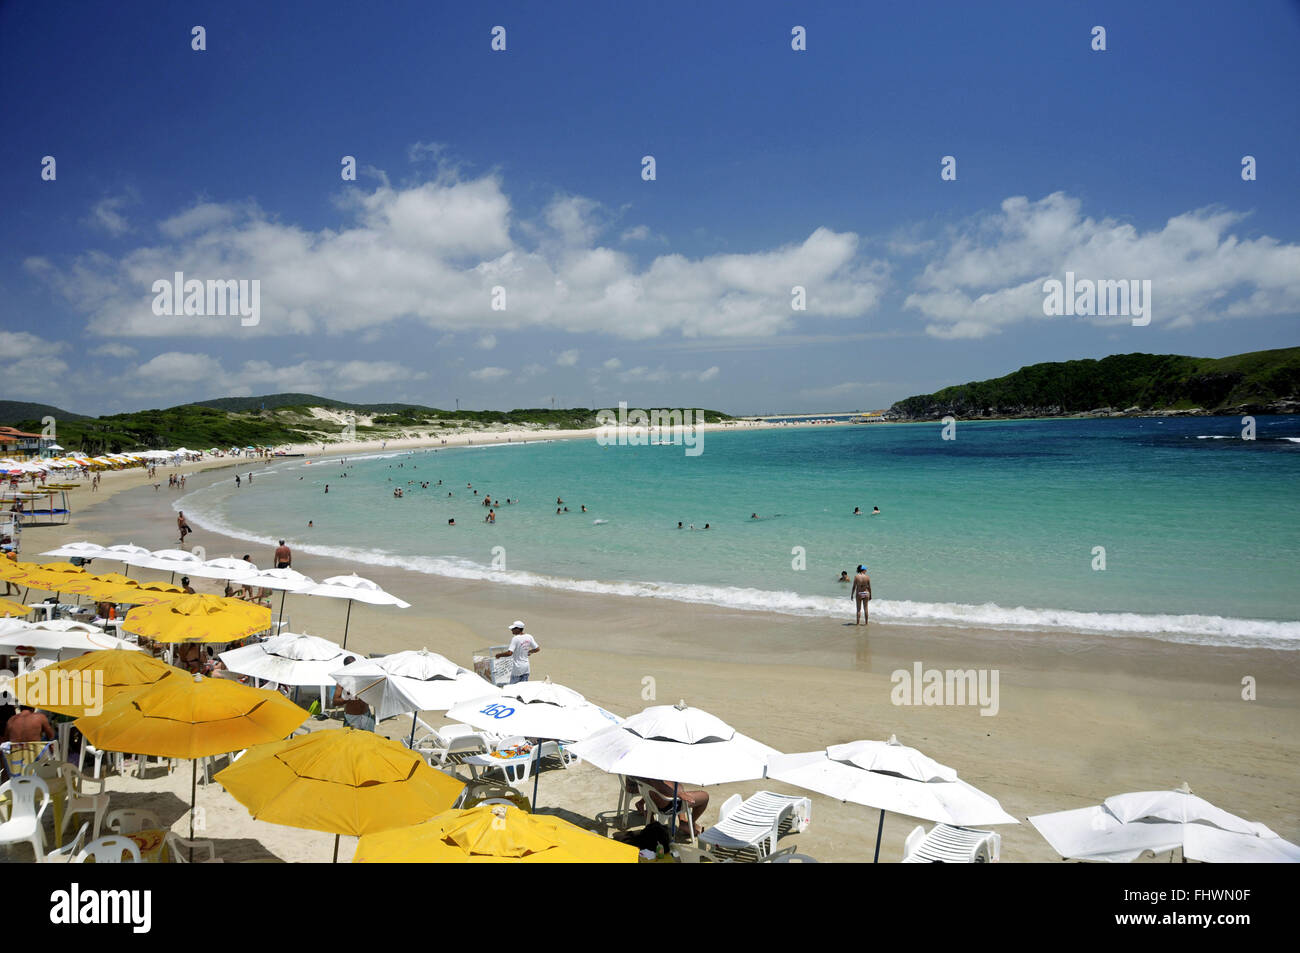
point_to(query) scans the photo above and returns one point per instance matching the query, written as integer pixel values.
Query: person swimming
(857, 511)
(844, 576)
(875, 511)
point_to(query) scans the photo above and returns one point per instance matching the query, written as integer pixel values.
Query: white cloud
(991, 271)
(612, 364)
(15, 345)
(709, 374)
(637, 233)
(189, 370)
(487, 342)
(113, 349)
(433, 252)
(29, 368)
(489, 373)
(567, 359)
(106, 215)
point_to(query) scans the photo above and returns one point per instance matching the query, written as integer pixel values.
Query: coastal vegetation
(1256, 382)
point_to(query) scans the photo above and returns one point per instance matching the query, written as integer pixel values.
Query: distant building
(19, 444)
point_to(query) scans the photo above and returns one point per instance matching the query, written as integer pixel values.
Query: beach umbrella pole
(879, 830)
(283, 593)
(194, 776)
(336, 849)
(537, 771)
(347, 620)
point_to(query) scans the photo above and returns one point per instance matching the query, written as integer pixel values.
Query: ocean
(1174, 528)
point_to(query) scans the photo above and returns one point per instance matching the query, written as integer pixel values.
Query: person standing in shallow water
(861, 595)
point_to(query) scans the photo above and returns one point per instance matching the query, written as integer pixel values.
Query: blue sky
(522, 170)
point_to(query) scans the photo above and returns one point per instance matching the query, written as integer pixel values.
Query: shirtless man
(283, 557)
(182, 525)
(861, 595)
(28, 725)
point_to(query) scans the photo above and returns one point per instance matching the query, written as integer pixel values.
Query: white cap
(517, 624)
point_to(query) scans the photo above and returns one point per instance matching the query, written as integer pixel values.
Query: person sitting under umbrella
(697, 802)
(356, 713)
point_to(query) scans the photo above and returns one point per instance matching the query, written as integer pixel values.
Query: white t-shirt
(520, 646)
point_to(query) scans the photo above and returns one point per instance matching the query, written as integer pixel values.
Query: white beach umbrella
(354, 588)
(83, 549)
(676, 743)
(535, 710)
(410, 681)
(224, 567)
(286, 580)
(287, 659)
(55, 640)
(539, 710)
(1126, 826)
(128, 554)
(890, 776)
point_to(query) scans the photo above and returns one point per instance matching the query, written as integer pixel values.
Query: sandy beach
(1080, 717)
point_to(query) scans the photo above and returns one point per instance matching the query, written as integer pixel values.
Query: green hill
(1257, 382)
(276, 419)
(12, 410)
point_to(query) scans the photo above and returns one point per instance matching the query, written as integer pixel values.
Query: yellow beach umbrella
(492, 834)
(198, 618)
(9, 609)
(135, 595)
(191, 718)
(51, 577)
(340, 782)
(115, 578)
(103, 675)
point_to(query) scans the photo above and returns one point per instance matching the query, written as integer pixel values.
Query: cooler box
(494, 670)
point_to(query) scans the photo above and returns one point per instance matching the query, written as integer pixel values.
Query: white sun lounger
(946, 844)
(755, 824)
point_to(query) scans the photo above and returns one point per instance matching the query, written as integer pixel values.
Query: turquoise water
(997, 527)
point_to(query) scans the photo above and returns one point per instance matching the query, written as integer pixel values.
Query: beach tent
(890, 776)
(1124, 827)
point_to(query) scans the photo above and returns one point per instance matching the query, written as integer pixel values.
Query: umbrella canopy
(890, 777)
(61, 638)
(1126, 826)
(114, 672)
(198, 618)
(52, 577)
(354, 588)
(341, 782)
(127, 553)
(223, 567)
(679, 744)
(535, 710)
(169, 560)
(10, 609)
(288, 580)
(83, 549)
(492, 834)
(192, 718)
(287, 659)
(410, 681)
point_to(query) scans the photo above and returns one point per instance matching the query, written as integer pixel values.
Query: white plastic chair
(67, 852)
(97, 757)
(665, 816)
(132, 821)
(946, 844)
(754, 825)
(108, 850)
(77, 801)
(453, 743)
(25, 819)
(179, 849)
(142, 762)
